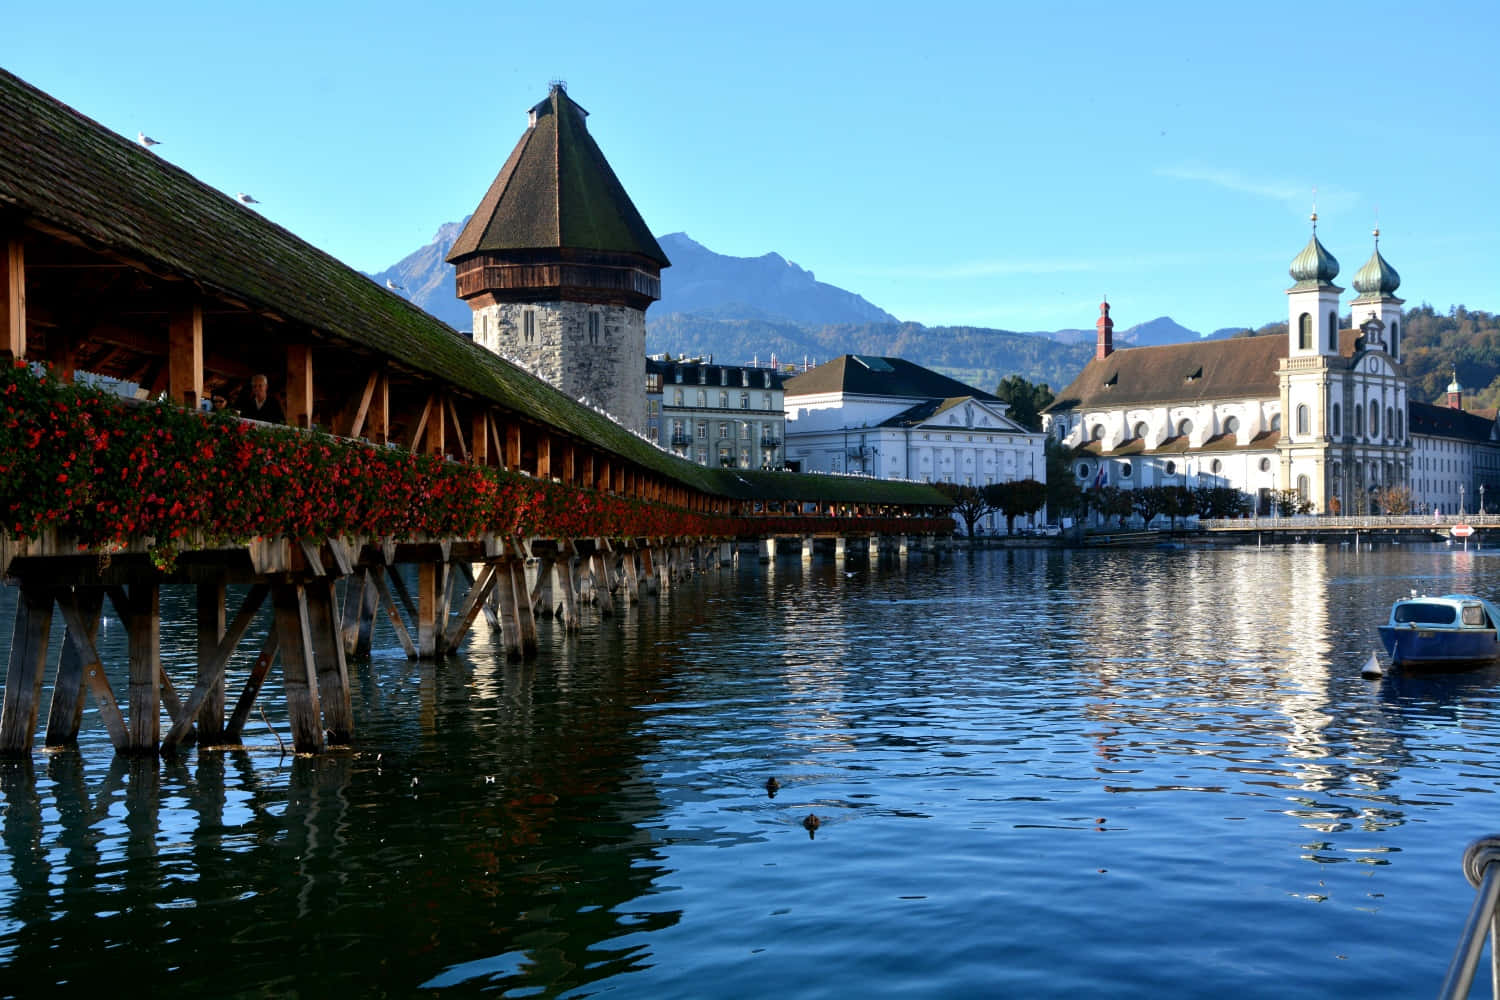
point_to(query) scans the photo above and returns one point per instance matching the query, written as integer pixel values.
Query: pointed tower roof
(1314, 267)
(1377, 279)
(557, 192)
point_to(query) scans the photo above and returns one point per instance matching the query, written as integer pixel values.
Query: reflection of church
(1321, 410)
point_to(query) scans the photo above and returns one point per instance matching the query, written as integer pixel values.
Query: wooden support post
(524, 617)
(429, 591)
(510, 625)
(478, 597)
(512, 445)
(289, 600)
(542, 602)
(258, 671)
(479, 437)
(601, 585)
(351, 611)
(210, 685)
(378, 420)
(328, 655)
(13, 298)
(299, 386)
(23, 677)
(648, 570)
(142, 616)
(544, 455)
(567, 582)
(382, 587)
(569, 463)
(66, 715)
(93, 672)
(185, 354)
(632, 576)
(212, 622)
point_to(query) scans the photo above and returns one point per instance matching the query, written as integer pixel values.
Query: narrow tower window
(594, 324)
(1333, 331)
(1334, 420)
(1304, 332)
(1302, 419)
(528, 326)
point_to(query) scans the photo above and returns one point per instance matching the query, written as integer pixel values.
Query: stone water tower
(559, 267)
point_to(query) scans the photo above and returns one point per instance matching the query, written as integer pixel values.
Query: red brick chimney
(1106, 328)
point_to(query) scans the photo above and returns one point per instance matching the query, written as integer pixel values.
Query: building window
(1303, 487)
(723, 431)
(1083, 470)
(744, 401)
(1302, 419)
(1171, 468)
(1141, 430)
(1390, 420)
(765, 401)
(676, 397)
(1335, 419)
(652, 431)
(1398, 425)
(1124, 470)
(1265, 465)
(745, 429)
(702, 429)
(1231, 425)
(1395, 334)
(702, 398)
(528, 326)
(723, 400)
(1304, 332)
(1185, 427)
(1098, 432)
(1333, 332)
(1374, 420)
(594, 324)
(1359, 418)
(1217, 467)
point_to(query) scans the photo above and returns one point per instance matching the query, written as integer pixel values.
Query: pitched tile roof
(866, 375)
(556, 191)
(1445, 421)
(1241, 367)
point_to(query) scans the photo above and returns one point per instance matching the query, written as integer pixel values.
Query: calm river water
(1037, 774)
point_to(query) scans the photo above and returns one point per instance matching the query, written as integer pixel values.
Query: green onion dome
(1377, 277)
(1314, 264)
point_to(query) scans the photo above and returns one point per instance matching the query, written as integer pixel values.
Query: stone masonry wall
(609, 373)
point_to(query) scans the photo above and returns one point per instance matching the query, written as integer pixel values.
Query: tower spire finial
(1315, 209)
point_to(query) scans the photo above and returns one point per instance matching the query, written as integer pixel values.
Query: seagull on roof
(146, 140)
(247, 199)
(393, 286)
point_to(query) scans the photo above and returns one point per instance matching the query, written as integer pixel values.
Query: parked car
(1048, 530)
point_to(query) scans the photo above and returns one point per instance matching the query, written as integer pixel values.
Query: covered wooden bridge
(403, 444)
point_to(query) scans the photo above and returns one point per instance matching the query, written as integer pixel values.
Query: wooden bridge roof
(68, 177)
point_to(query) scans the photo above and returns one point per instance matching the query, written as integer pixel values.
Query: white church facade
(1321, 410)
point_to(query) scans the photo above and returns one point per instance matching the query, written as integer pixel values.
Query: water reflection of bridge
(406, 445)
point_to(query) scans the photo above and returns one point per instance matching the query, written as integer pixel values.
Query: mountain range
(744, 309)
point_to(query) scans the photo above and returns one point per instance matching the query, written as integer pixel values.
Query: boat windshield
(1432, 614)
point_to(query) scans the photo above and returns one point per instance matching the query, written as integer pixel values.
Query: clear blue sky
(995, 164)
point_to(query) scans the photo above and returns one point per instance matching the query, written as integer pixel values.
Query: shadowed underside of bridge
(405, 445)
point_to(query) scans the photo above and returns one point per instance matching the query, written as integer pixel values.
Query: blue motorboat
(1453, 631)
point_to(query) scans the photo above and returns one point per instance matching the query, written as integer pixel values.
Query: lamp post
(1460, 499)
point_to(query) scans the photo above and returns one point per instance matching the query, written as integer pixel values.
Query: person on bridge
(256, 403)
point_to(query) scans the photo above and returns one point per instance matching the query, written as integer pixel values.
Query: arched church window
(1302, 419)
(1334, 419)
(1333, 332)
(1185, 427)
(1395, 337)
(1303, 486)
(1359, 418)
(1304, 332)
(1390, 420)
(1141, 430)
(1231, 425)
(1374, 420)
(1398, 425)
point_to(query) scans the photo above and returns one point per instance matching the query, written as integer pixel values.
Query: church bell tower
(559, 267)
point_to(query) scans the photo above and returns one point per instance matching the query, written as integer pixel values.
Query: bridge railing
(1350, 522)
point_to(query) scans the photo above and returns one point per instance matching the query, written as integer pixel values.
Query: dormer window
(1112, 380)
(1194, 375)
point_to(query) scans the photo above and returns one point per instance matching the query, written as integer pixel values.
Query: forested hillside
(1434, 345)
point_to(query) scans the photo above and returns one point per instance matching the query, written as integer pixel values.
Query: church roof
(1446, 421)
(1238, 368)
(866, 375)
(557, 192)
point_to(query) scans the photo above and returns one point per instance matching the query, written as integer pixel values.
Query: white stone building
(891, 419)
